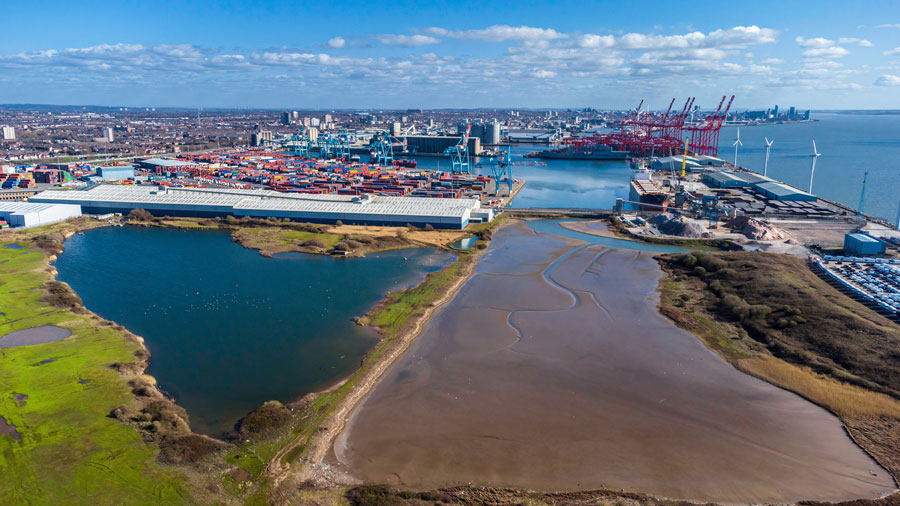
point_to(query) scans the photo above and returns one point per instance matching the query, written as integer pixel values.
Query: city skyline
(441, 55)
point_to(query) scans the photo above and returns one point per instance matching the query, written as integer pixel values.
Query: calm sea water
(850, 145)
(229, 329)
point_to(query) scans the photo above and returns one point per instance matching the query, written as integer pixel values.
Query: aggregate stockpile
(754, 229)
(676, 225)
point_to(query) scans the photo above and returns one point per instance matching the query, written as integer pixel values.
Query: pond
(229, 329)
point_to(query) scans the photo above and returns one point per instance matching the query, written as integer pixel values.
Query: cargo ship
(645, 191)
(598, 152)
(407, 164)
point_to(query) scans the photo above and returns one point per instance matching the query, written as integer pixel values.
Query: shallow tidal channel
(227, 328)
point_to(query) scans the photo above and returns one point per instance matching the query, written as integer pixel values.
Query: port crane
(384, 150)
(459, 155)
(501, 170)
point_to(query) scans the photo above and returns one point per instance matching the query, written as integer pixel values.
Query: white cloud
(817, 42)
(390, 39)
(772, 61)
(826, 52)
(544, 74)
(337, 42)
(887, 80)
(500, 33)
(854, 40)
(893, 25)
(739, 36)
(894, 51)
(595, 41)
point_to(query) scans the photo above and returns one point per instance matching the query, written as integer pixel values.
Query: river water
(229, 329)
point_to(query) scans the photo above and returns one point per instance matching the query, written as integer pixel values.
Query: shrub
(339, 223)
(342, 246)
(354, 244)
(699, 271)
(709, 262)
(716, 286)
(688, 260)
(727, 273)
(429, 227)
(270, 415)
(140, 215)
(759, 311)
(313, 243)
(735, 307)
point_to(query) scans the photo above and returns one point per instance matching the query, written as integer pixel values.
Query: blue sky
(451, 54)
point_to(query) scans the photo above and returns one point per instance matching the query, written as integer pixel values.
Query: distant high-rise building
(108, 134)
(313, 133)
(327, 118)
(396, 128)
(314, 122)
(295, 115)
(306, 122)
(286, 118)
(8, 133)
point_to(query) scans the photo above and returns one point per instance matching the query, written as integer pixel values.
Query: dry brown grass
(841, 398)
(437, 238)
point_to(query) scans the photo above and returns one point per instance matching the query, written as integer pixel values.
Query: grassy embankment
(272, 236)
(773, 318)
(70, 451)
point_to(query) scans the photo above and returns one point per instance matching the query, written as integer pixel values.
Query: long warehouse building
(215, 202)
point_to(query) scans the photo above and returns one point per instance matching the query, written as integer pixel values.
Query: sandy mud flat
(551, 369)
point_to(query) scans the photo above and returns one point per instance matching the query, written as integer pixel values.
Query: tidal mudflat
(551, 369)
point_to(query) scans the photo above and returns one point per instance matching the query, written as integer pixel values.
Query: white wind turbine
(812, 171)
(737, 143)
(768, 147)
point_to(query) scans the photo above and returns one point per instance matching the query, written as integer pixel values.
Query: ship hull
(605, 155)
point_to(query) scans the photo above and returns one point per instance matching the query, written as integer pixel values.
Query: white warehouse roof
(28, 214)
(263, 203)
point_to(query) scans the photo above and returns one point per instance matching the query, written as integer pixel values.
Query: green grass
(400, 306)
(70, 451)
(275, 239)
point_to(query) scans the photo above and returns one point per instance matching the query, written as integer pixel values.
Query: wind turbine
(812, 171)
(737, 143)
(768, 147)
(862, 195)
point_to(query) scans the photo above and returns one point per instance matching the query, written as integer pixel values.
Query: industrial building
(113, 173)
(781, 191)
(436, 144)
(29, 214)
(164, 166)
(863, 245)
(446, 213)
(725, 180)
(675, 162)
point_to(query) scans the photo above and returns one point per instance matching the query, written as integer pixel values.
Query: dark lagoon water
(229, 329)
